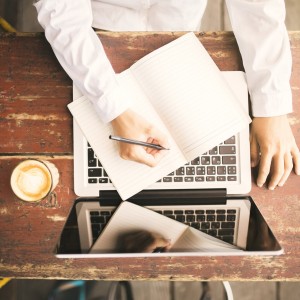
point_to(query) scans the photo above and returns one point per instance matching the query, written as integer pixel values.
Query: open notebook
(175, 87)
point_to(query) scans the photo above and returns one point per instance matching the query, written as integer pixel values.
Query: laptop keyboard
(217, 165)
(220, 223)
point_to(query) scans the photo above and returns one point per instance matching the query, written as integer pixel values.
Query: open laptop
(206, 194)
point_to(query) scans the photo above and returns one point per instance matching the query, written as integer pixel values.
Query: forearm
(263, 41)
(68, 29)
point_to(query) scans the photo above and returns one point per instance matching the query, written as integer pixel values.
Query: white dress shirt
(258, 26)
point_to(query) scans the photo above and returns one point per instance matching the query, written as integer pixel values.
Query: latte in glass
(33, 180)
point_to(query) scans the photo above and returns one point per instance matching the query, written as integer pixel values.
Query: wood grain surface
(35, 122)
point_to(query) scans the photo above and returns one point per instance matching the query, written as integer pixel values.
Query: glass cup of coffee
(33, 180)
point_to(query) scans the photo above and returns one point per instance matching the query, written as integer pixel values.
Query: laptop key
(228, 225)
(228, 239)
(200, 170)
(215, 225)
(180, 218)
(213, 150)
(190, 171)
(196, 161)
(221, 170)
(212, 232)
(216, 160)
(195, 225)
(200, 218)
(211, 218)
(231, 140)
(224, 232)
(103, 180)
(227, 150)
(211, 170)
(92, 180)
(167, 179)
(221, 218)
(97, 219)
(199, 178)
(92, 162)
(94, 172)
(229, 160)
(180, 171)
(178, 179)
(190, 218)
(231, 170)
(231, 218)
(205, 225)
(205, 160)
(189, 179)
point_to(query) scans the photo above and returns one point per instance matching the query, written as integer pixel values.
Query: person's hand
(142, 241)
(273, 147)
(132, 126)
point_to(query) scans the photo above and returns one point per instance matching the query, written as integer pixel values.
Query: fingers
(279, 152)
(296, 158)
(278, 170)
(278, 167)
(254, 153)
(288, 166)
(138, 154)
(264, 169)
(148, 156)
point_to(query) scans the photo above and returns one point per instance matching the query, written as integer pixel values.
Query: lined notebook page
(131, 217)
(194, 240)
(128, 177)
(187, 89)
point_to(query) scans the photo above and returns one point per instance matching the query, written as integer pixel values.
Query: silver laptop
(203, 193)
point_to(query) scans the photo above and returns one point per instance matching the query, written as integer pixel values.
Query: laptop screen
(259, 238)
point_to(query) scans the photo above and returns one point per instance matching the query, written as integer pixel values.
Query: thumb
(254, 152)
(159, 137)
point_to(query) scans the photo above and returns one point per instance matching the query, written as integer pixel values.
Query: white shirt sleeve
(262, 37)
(68, 29)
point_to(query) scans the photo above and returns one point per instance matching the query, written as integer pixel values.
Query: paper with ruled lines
(180, 90)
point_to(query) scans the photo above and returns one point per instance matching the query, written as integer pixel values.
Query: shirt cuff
(112, 104)
(272, 105)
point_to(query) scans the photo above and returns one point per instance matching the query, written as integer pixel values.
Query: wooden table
(35, 122)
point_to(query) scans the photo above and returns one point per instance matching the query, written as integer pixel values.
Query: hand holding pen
(145, 143)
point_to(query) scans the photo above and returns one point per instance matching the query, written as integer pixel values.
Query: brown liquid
(31, 180)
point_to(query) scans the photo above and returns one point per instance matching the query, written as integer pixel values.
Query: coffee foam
(31, 180)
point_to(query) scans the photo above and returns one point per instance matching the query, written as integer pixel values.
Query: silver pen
(134, 142)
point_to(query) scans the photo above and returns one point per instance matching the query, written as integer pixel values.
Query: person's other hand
(273, 147)
(132, 126)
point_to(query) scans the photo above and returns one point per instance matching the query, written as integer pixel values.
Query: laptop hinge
(191, 196)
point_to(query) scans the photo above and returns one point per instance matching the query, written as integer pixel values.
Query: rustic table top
(35, 122)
